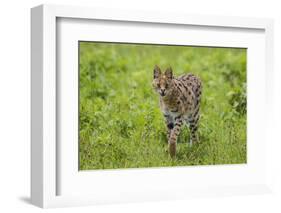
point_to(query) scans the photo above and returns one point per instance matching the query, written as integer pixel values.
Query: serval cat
(179, 103)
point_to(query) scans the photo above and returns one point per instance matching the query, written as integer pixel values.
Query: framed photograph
(131, 106)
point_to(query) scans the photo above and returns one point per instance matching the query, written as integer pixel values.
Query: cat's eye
(158, 85)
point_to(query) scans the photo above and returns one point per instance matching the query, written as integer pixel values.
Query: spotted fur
(179, 103)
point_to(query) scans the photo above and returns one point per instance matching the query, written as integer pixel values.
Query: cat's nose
(162, 92)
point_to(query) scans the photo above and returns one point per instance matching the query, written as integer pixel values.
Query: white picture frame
(45, 165)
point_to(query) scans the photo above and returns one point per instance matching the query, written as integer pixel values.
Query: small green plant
(238, 100)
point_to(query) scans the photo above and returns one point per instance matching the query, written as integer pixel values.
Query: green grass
(120, 123)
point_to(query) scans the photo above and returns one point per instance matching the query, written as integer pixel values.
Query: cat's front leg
(174, 136)
(169, 124)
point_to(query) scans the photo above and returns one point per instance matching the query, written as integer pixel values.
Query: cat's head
(162, 82)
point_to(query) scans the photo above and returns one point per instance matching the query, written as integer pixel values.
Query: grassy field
(120, 122)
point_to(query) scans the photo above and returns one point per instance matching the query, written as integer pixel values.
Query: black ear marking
(169, 73)
(156, 72)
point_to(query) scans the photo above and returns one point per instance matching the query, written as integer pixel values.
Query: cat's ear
(156, 72)
(169, 73)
